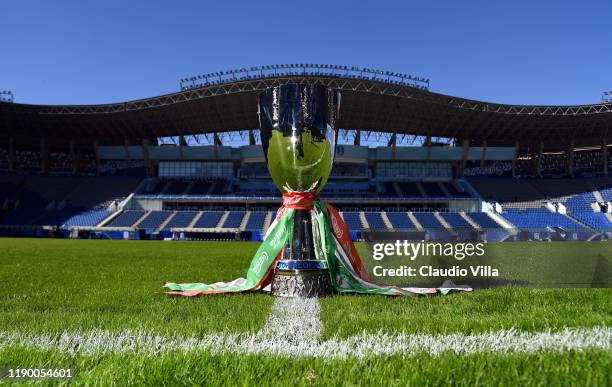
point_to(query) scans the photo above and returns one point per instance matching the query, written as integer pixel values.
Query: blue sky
(532, 52)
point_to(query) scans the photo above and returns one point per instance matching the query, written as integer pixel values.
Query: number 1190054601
(23, 373)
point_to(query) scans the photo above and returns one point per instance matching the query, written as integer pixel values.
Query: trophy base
(301, 284)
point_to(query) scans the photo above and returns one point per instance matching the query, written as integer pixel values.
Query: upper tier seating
(505, 190)
(219, 187)
(388, 189)
(453, 191)
(433, 190)
(125, 219)
(153, 187)
(409, 189)
(375, 220)
(556, 188)
(455, 220)
(200, 188)
(176, 187)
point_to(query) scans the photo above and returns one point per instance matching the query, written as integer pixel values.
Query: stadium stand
(234, 219)
(375, 220)
(400, 220)
(432, 190)
(352, 220)
(125, 219)
(209, 219)
(208, 185)
(181, 219)
(409, 189)
(388, 189)
(428, 220)
(540, 218)
(219, 187)
(153, 220)
(455, 220)
(256, 220)
(606, 194)
(597, 220)
(453, 191)
(200, 188)
(483, 220)
(580, 203)
(176, 188)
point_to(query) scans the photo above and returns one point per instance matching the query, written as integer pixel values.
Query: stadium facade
(476, 170)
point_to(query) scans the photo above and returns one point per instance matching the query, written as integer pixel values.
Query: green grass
(49, 286)
(545, 369)
(480, 311)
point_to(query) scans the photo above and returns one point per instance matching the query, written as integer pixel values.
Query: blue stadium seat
(89, 218)
(234, 219)
(606, 193)
(581, 202)
(428, 220)
(209, 219)
(256, 221)
(597, 220)
(455, 220)
(181, 219)
(400, 220)
(535, 219)
(483, 220)
(375, 220)
(153, 220)
(125, 219)
(352, 220)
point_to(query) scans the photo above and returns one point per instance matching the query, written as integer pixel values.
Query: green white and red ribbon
(332, 244)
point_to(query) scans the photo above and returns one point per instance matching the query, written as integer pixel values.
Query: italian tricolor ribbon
(332, 243)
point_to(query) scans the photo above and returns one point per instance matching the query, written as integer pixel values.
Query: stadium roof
(371, 100)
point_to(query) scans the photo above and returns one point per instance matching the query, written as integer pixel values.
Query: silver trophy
(298, 135)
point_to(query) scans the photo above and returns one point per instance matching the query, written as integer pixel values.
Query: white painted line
(305, 344)
(294, 320)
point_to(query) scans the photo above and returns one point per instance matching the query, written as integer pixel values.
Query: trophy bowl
(298, 135)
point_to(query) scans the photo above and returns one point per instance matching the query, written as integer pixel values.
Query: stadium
(88, 193)
(189, 165)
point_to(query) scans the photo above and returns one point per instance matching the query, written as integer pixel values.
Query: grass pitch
(54, 286)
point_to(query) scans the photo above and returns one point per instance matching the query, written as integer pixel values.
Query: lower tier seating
(125, 219)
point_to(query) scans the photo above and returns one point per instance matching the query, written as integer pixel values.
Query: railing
(327, 70)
